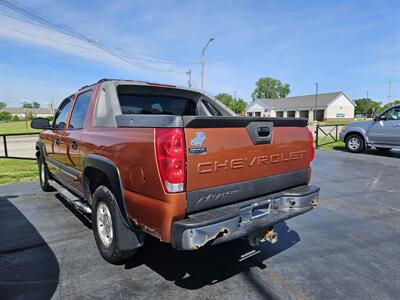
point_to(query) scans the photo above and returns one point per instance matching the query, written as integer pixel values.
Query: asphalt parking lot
(349, 247)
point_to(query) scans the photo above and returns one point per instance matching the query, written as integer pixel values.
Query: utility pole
(202, 63)
(367, 95)
(390, 88)
(52, 106)
(235, 94)
(316, 101)
(189, 74)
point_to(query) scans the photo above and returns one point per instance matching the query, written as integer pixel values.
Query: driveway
(20, 146)
(349, 247)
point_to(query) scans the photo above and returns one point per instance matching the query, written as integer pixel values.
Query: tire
(383, 149)
(355, 143)
(44, 175)
(104, 216)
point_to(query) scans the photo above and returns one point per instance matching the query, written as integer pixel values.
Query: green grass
(15, 170)
(330, 144)
(344, 122)
(16, 127)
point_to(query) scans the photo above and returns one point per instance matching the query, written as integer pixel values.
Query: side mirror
(40, 123)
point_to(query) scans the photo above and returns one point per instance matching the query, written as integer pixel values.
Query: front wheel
(355, 143)
(44, 175)
(104, 216)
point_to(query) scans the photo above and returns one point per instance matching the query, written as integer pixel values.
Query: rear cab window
(150, 100)
(156, 104)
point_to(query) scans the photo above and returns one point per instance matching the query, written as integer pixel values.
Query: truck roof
(140, 82)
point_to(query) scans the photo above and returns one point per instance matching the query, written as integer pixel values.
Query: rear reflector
(170, 150)
(311, 143)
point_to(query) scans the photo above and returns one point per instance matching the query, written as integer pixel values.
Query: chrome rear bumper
(238, 220)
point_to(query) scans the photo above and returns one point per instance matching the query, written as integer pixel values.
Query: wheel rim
(354, 143)
(104, 224)
(42, 173)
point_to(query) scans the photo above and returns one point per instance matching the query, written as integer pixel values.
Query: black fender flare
(111, 171)
(132, 237)
(40, 149)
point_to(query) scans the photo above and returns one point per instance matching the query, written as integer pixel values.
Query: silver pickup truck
(382, 133)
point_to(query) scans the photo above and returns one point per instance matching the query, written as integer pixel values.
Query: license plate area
(259, 213)
(256, 211)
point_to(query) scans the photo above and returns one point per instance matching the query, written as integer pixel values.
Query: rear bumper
(238, 220)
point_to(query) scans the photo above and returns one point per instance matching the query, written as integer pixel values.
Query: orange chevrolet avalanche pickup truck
(173, 163)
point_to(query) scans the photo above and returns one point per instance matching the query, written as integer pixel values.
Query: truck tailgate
(247, 158)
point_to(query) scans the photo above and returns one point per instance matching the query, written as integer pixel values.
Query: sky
(350, 46)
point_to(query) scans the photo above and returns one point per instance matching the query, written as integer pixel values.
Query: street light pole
(202, 63)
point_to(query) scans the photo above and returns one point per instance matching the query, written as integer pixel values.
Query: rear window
(156, 104)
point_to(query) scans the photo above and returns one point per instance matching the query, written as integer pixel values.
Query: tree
(225, 98)
(390, 104)
(367, 106)
(27, 104)
(35, 104)
(5, 116)
(270, 88)
(238, 106)
(3, 105)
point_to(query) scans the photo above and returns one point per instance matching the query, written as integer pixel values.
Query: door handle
(74, 145)
(58, 141)
(396, 125)
(263, 131)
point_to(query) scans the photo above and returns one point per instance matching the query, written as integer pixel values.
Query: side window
(212, 110)
(393, 114)
(60, 119)
(79, 111)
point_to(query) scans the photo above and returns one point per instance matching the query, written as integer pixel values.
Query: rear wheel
(355, 143)
(383, 149)
(104, 216)
(44, 175)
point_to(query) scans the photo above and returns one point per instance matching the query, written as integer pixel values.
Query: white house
(328, 106)
(22, 112)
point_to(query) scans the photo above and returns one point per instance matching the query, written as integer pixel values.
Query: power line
(49, 39)
(41, 26)
(52, 25)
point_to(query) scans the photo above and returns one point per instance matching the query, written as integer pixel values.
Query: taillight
(170, 150)
(311, 143)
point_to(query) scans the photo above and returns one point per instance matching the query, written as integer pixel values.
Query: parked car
(173, 163)
(382, 133)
